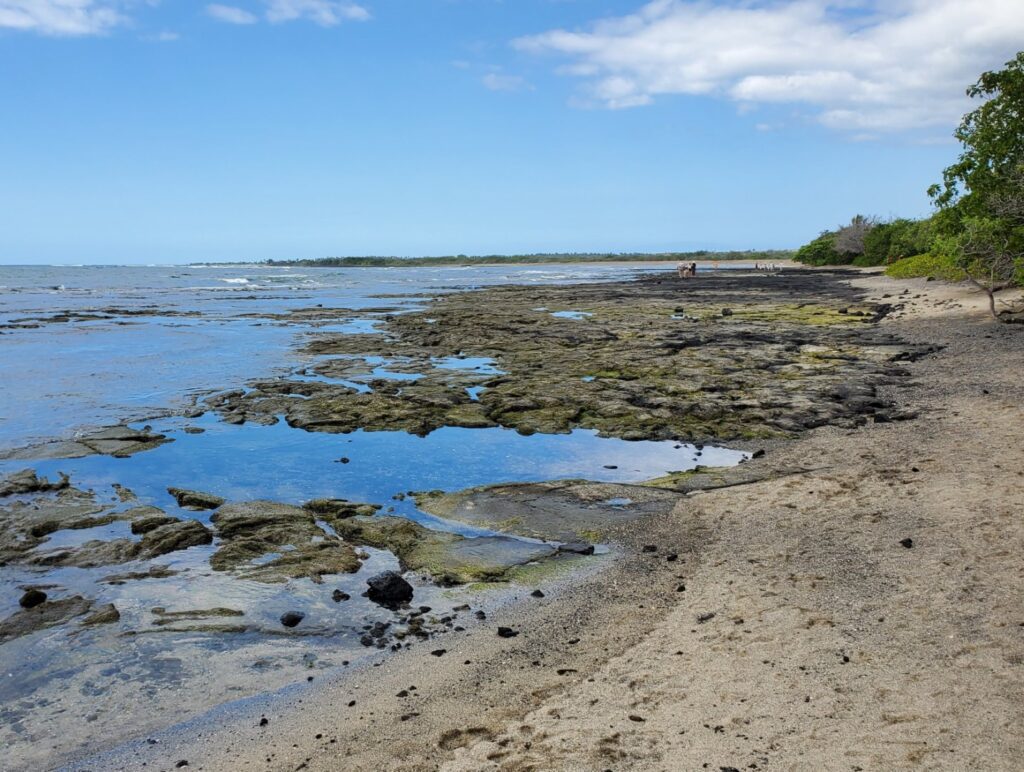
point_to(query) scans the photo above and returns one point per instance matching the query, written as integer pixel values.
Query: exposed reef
(655, 358)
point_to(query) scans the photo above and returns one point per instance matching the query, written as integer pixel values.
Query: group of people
(766, 267)
(687, 270)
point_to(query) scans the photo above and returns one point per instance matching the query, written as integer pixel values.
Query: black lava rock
(537, 594)
(338, 596)
(507, 632)
(292, 618)
(32, 598)
(650, 548)
(908, 542)
(389, 589)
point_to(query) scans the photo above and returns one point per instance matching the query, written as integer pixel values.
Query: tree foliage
(981, 198)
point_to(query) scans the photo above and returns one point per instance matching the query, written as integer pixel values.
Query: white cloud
(497, 82)
(60, 17)
(230, 14)
(326, 13)
(859, 65)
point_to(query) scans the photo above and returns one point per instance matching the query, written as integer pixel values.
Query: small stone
(338, 596)
(610, 466)
(672, 557)
(182, 763)
(907, 543)
(507, 632)
(758, 453)
(438, 652)
(707, 617)
(264, 721)
(292, 618)
(650, 548)
(32, 598)
(537, 594)
(726, 312)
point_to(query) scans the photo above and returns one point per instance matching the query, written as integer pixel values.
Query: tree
(980, 199)
(849, 239)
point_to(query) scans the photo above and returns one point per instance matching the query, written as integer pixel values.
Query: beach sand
(866, 613)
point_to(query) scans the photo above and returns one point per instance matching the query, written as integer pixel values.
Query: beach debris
(438, 652)
(389, 589)
(292, 618)
(907, 543)
(195, 500)
(507, 632)
(705, 617)
(32, 598)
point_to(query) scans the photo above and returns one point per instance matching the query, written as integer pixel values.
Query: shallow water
(69, 690)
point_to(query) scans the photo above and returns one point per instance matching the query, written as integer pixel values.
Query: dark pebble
(537, 594)
(908, 542)
(338, 596)
(32, 598)
(292, 618)
(438, 652)
(264, 721)
(507, 632)
(702, 618)
(650, 548)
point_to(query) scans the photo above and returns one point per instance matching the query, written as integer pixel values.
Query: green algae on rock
(566, 511)
(296, 545)
(654, 360)
(448, 558)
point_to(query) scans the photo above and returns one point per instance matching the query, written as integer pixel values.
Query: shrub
(933, 265)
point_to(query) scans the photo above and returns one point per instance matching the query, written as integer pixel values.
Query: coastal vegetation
(766, 255)
(976, 232)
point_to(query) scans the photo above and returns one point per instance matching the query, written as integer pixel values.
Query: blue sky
(161, 132)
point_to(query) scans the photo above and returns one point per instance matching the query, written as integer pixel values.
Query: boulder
(389, 589)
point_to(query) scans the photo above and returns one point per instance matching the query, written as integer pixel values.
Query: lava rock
(507, 632)
(104, 615)
(32, 598)
(907, 543)
(389, 589)
(292, 618)
(537, 594)
(195, 500)
(577, 548)
(338, 596)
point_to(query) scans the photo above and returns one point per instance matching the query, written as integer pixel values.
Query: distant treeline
(544, 257)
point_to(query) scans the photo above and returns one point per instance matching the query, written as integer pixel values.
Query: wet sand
(855, 604)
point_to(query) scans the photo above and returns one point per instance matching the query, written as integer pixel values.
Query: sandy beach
(850, 601)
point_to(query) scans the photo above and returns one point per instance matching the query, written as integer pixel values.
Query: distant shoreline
(776, 255)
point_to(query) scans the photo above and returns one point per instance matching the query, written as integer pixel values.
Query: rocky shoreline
(849, 600)
(756, 360)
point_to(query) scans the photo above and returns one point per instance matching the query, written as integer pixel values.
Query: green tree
(980, 197)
